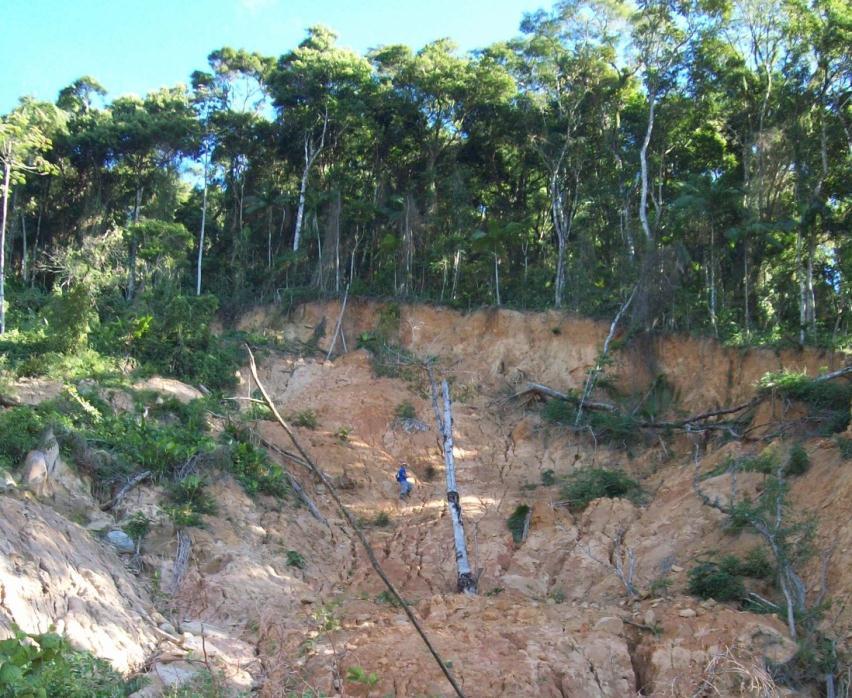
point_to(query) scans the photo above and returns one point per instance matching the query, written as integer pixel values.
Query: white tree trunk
(201, 232)
(497, 278)
(312, 151)
(300, 211)
(643, 160)
(24, 253)
(466, 580)
(456, 270)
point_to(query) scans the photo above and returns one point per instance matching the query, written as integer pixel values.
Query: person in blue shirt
(402, 479)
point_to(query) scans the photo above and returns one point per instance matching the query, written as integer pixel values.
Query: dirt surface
(552, 618)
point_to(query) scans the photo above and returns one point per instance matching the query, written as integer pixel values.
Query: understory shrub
(172, 335)
(251, 466)
(45, 665)
(828, 402)
(516, 522)
(610, 427)
(711, 580)
(722, 579)
(587, 484)
(190, 501)
(20, 431)
(798, 461)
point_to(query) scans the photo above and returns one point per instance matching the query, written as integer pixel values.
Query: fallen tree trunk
(466, 581)
(371, 556)
(845, 371)
(294, 483)
(184, 547)
(545, 391)
(125, 489)
(338, 326)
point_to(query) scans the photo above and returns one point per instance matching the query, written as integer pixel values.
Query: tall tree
(23, 141)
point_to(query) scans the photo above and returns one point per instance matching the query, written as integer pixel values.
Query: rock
(686, 613)
(121, 541)
(610, 624)
(650, 618)
(34, 472)
(677, 568)
(7, 482)
(170, 388)
(175, 674)
(99, 523)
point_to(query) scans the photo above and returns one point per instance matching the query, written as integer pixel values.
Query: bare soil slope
(552, 617)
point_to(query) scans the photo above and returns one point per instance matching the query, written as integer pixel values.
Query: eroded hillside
(285, 603)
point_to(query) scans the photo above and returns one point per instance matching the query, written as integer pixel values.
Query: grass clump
(845, 446)
(295, 559)
(548, 477)
(405, 410)
(798, 461)
(587, 484)
(190, 501)
(382, 519)
(305, 418)
(516, 522)
(357, 674)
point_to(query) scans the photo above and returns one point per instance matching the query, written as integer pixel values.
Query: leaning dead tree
(466, 579)
(602, 359)
(308, 462)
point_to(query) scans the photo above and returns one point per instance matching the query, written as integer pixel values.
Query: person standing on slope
(402, 479)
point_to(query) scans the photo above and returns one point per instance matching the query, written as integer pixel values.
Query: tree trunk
(466, 581)
(131, 257)
(7, 176)
(497, 279)
(746, 305)
(558, 213)
(811, 298)
(201, 232)
(24, 251)
(643, 159)
(311, 153)
(803, 313)
(456, 270)
(303, 187)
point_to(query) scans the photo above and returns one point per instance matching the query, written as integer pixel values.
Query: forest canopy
(699, 152)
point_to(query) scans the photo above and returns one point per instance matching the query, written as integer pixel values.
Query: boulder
(121, 541)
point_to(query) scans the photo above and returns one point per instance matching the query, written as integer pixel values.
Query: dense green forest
(698, 152)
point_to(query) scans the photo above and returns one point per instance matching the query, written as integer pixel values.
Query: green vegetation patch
(722, 579)
(517, 521)
(45, 665)
(828, 402)
(251, 466)
(587, 484)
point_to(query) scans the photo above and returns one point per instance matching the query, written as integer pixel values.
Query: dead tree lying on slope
(371, 556)
(466, 579)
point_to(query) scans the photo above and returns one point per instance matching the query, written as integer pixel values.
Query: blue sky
(139, 45)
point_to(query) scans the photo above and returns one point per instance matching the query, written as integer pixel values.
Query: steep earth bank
(552, 618)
